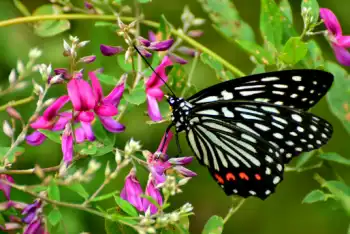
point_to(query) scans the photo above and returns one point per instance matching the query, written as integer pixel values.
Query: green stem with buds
(197, 45)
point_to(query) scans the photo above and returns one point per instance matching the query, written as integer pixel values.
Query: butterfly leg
(178, 145)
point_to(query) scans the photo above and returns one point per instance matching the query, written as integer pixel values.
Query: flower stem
(29, 171)
(153, 24)
(233, 209)
(188, 83)
(17, 103)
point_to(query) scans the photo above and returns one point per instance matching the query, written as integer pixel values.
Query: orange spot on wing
(243, 176)
(230, 176)
(257, 176)
(219, 178)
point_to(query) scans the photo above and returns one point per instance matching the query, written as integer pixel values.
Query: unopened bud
(21, 85)
(66, 46)
(49, 101)
(7, 129)
(35, 53)
(38, 90)
(73, 39)
(12, 77)
(107, 170)
(198, 21)
(118, 157)
(39, 172)
(13, 113)
(88, 59)
(20, 67)
(82, 44)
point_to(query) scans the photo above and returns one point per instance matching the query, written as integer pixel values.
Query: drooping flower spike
(132, 191)
(338, 41)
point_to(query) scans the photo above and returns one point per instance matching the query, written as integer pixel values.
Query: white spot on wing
(248, 93)
(208, 112)
(226, 95)
(297, 117)
(250, 87)
(208, 99)
(273, 78)
(296, 78)
(227, 112)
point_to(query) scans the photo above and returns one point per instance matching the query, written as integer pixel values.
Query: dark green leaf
(151, 200)
(2, 220)
(227, 21)
(118, 228)
(331, 156)
(144, 1)
(125, 206)
(155, 62)
(214, 225)
(177, 78)
(79, 189)
(21, 7)
(315, 9)
(125, 66)
(124, 219)
(53, 191)
(315, 196)
(271, 23)
(103, 150)
(14, 152)
(38, 188)
(87, 148)
(107, 79)
(293, 51)
(338, 97)
(287, 21)
(53, 136)
(137, 96)
(303, 158)
(341, 192)
(50, 28)
(164, 27)
(54, 217)
(101, 134)
(104, 196)
(261, 55)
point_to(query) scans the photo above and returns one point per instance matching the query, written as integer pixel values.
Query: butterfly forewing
(299, 89)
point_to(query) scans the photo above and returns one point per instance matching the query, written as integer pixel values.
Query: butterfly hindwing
(300, 89)
(241, 163)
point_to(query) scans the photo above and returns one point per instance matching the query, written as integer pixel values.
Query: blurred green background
(280, 213)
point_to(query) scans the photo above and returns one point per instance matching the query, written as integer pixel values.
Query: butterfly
(245, 130)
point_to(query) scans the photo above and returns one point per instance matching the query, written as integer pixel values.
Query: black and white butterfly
(245, 130)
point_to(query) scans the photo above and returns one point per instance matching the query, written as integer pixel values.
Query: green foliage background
(280, 213)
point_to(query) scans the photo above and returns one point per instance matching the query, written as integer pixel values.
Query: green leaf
(101, 134)
(227, 21)
(303, 158)
(38, 188)
(103, 150)
(338, 97)
(259, 69)
(314, 58)
(331, 156)
(79, 189)
(118, 228)
(21, 7)
(151, 200)
(87, 148)
(107, 79)
(164, 27)
(271, 23)
(155, 62)
(53, 191)
(12, 155)
(104, 196)
(293, 51)
(341, 192)
(54, 217)
(137, 96)
(287, 20)
(50, 28)
(125, 66)
(315, 196)
(217, 66)
(125, 206)
(214, 225)
(144, 1)
(315, 9)
(261, 55)
(53, 136)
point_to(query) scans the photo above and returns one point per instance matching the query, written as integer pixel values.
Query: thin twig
(234, 209)
(190, 76)
(29, 171)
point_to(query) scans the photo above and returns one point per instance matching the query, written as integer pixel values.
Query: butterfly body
(245, 130)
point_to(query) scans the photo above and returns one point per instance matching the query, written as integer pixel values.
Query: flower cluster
(338, 41)
(158, 164)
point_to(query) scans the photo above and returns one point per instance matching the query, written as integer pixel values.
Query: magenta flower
(159, 164)
(153, 192)
(108, 50)
(5, 188)
(33, 218)
(132, 191)
(106, 107)
(50, 120)
(153, 91)
(67, 144)
(339, 42)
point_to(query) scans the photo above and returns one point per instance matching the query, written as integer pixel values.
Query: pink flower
(132, 191)
(338, 41)
(153, 192)
(159, 162)
(67, 144)
(108, 50)
(153, 91)
(5, 188)
(33, 218)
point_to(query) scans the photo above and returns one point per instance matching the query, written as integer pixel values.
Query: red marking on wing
(243, 176)
(230, 176)
(219, 178)
(257, 176)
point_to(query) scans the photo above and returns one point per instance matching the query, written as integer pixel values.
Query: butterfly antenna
(144, 59)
